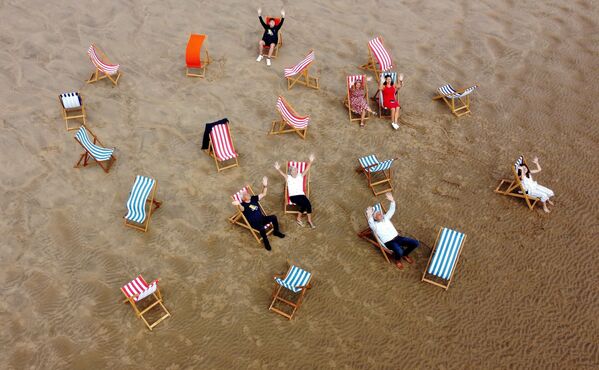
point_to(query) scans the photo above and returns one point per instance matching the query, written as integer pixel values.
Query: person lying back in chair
(381, 226)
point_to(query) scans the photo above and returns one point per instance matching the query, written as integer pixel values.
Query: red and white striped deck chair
(379, 59)
(221, 147)
(289, 206)
(136, 291)
(350, 81)
(299, 73)
(239, 219)
(104, 68)
(290, 121)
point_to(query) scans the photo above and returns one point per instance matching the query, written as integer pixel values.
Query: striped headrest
(70, 100)
(518, 162)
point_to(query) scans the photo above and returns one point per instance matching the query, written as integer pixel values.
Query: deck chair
(444, 257)
(379, 59)
(104, 69)
(94, 149)
(378, 96)
(289, 290)
(239, 218)
(454, 99)
(196, 67)
(290, 207)
(290, 121)
(378, 174)
(299, 73)
(72, 108)
(141, 203)
(514, 187)
(221, 147)
(350, 81)
(136, 291)
(279, 44)
(368, 235)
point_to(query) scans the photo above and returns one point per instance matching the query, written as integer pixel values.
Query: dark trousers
(402, 246)
(265, 221)
(302, 202)
(208, 129)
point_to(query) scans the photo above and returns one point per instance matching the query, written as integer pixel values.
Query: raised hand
(283, 12)
(389, 196)
(265, 181)
(277, 166)
(535, 160)
(369, 211)
(311, 157)
(235, 203)
(259, 11)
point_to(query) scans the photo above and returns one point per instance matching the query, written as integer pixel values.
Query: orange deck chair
(196, 67)
(279, 44)
(104, 68)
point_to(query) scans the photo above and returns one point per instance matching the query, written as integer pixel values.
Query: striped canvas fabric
(222, 143)
(300, 66)
(237, 197)
(351, 80)
(295, 279)
(377, 208)
(99, 153)
(393, 78)
(301, 167)
(446, 253)
(371, 160)
(106, 68)
(519, 162)
(136, 204)
(295, 121)
(381, 54)
(450, 92)
(139, 289)
(70, 100)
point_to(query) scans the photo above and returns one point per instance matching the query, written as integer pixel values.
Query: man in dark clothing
(270, 37)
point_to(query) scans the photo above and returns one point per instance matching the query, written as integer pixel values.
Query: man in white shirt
(295, 190)
(381, 226)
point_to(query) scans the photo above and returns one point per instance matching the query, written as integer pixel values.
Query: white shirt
(384, 229)
(295, 185)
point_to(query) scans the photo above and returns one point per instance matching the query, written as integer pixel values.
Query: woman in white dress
(295, 190)
(532, 187)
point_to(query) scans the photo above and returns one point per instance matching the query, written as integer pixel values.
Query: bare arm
(535, 160)
(264, 188)
(391, 210)
(309, 164)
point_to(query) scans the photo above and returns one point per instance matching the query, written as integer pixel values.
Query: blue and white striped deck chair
(296, 281)
(368, 235)
(444, 257)
(378, 174)
(514, 187)
(378, 97)
(139, 212)
(450, 95)
(93, 149)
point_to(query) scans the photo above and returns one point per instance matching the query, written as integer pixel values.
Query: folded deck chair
(239, 218)
(379, 59)
(104, 69)
(196, 67)
(94, 149)
(299, 73)
(350, 81)
(452, 96)
(444, 257)
(289, 290)
(514, 187)
(290, 207)
(72, 108)
(368, 235)
(279, 44)
(378, 96)
(221, 147)
(378, 174)
(141, 203)
(136, 291)
(290, 121)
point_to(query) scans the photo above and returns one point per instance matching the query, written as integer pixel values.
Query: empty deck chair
(299, 73)
(136, 291)
(378, 96)
(239, 218)
(279, 44)
(141, 203)
(378, 174)
(514, 187)
(379, 59)
(221, 147)
(444, 257)
(72, 108)
(104, 68)
(290, 207)
(94, 149)
(371, 237)
(290, 121)
(196, 67)
(350, 81)
(454, 99)
(289, 290)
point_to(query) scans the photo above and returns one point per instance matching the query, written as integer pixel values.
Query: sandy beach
(524, 294)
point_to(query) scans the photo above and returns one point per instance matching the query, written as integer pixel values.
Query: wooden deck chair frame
(153, 206)
(278, 289)
(84, 159)
(354, 117)
(461, 108)
(98, 75)
(377, 179)
(372, 64)
(304, 78)
(73, 113)
(514, 188)
(140, 313)
(239, 219)
(371, 237)
(283, 127)
(292, 208)
(279, 44)
(234, 162)
(197, 71)
(424, 275)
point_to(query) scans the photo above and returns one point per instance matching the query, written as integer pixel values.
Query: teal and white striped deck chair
(296, 282)
(371, 237)
(378, 174)
(378, 97)
(452, 96)
(444, 257)
(141, 203)
(93, 149)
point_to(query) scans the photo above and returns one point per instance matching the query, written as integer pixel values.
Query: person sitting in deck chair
(532, 187)
(253, 213)
(381, 225)
(390, 97)
(295, 188)
(270, 37)
(358, 102)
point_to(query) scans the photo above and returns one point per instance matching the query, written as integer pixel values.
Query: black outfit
(402, 246)
(209, 126)
(253, 213)
(302, 202)
(271, 35)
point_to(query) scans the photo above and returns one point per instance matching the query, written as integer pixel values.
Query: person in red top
(390, 97)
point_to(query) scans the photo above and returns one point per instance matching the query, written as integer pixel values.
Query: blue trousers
(402, 246)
